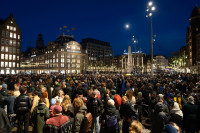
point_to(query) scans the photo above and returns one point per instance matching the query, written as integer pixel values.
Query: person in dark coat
(4, 122)
(111, 116)
(22, 108)
(68, 90)
(159, 119)
(39, 116)
(190, 116)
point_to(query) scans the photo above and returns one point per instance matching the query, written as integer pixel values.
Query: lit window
(2, 71)
(14, 42)
(11, 22)
(62, 55)
(78, 61)
(73, 56)
(7, 71)
(6, 64)
(10, 64)
(8, 27)
(2, 48)
(10, 49)
(73, 47)
(73, 65)
(78, 65)
(2, 64)
(6, 56)
(14, 57)
(11, 35)
(53, 60)
(73, 60)
(14, 28)
(68, 60)
(17, 64)
(6, 49)
(10, 42)
(78, 48)
(17, 57)
(2, 40)
(15, 35)
(11, 28)
(10, 57)
(62, 60)
(68, 65)
(2, 56)
(62, 65)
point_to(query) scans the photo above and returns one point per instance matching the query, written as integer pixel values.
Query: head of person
(135, 127)
(65, 103)
(42, 101)
(17, 86)
(191, 99)
(94, 95)
(23, 90)
(10, 93)
(111, 102)
(129, 94)
(139, 94)
(124, 99)
(60, 93)
(53, 101)
(44, 94)
(57, 109)
(78, 102)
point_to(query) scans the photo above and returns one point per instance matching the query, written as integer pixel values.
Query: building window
(2, 64)
(14, 50)
(10, 57)
(10, 49)
(6, 49)
(73, 60)
(6, 56)
(10, 42)
(2, 48)
(3, 33)
(14, 42)
(2, 40)
(68, 65)
(73, 47)
(78, 65)
(73, 65)
(68, 56)
(7, 41)
(14, 28)
(62, 60)
(11, 35)
(17, 57)
(14, 57)
(7, 34)
(78, 61)
(73, 56)
(68, 60)
(17, 51)
(2, 56)
(17, 64)
(6, 64)
(62, 55)
(8, 27)
(62, 65)
(10, 64)
(78, 48)
(15, 35)
(18, 44)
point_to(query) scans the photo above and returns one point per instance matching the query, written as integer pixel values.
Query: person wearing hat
(190, 116)
(58, 123)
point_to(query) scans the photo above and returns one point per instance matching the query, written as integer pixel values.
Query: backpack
(111, 120)
(86, 123)
(118, 100)
(178, 100)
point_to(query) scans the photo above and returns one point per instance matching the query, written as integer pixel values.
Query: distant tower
(130, 62)
(40, 42)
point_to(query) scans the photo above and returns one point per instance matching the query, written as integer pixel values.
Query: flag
(123, 87)
(73, 28)
(60, 28)
(65, 26)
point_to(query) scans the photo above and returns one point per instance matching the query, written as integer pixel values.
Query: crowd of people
(65, 103)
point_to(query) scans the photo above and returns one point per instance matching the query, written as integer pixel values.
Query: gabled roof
(195, 12)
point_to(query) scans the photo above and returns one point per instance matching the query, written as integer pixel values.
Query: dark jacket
(68, 91)
(2, 101)
(159, 118)
(39, 117)
(4, 122)
(22, 104)
(111, 111)
(95, 106)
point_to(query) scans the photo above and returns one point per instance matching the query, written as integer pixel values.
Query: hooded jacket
(158, 119)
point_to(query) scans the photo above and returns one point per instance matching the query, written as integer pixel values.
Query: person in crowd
(39, 116)
(16, 90)
(171, 128)
(45, 96)
(22, 108)
(57, 124)
(190, 116)
(159, 118)
(68, 109)
(4, 122)
(60, 96)
(135, 127)
(176, 114)
(160, 98)
(36, 99)
(2, 97)
(80, 110)
(68, 90)
(56, 89)
(95, 107)
(129, 94)
(111, 116)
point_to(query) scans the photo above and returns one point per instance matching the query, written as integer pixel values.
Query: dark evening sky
(103, 20)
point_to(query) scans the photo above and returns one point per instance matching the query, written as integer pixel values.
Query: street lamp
(150, 9)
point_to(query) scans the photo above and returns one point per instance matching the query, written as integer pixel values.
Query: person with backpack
(80, 110)
(95, 107)
(111, 116)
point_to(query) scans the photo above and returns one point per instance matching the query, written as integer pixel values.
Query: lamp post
(150, 9)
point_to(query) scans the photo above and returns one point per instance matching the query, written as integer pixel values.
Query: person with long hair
(68, 109)
(135, 127)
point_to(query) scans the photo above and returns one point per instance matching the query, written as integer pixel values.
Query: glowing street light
(150, 3)
(127, 26)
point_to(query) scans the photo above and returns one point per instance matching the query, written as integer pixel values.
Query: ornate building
(10, 45)
(64, 55)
